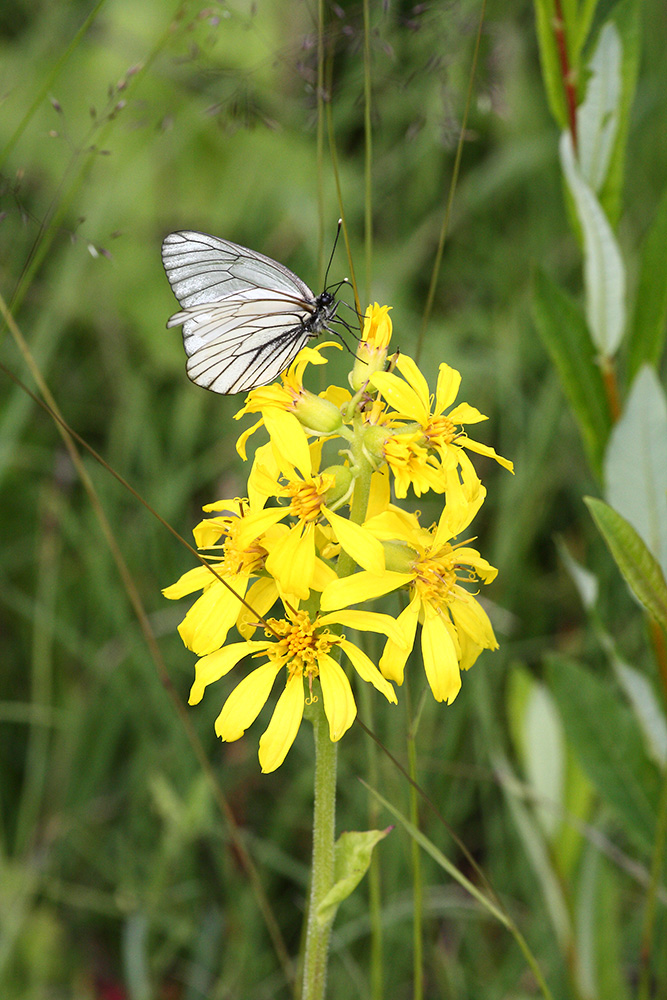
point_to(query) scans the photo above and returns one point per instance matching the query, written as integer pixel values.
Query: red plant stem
(611, 387)
(566, 71)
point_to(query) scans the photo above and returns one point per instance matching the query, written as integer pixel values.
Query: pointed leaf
(640, 570)
(597, 117)
(604, 272)
(635, 464)
(353, 854)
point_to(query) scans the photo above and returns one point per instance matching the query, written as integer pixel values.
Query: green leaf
(635, 464)
(604, 272)
(538, 736)
(640, 569)
(563, 330)
(649, 322)
(545, 16)
(609, 745)
(597, 116)
(352, 859)
(625, 18)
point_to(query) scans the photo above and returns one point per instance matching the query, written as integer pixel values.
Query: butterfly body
(245, 317)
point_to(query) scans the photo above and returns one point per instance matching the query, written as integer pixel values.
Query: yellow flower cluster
(287, 544)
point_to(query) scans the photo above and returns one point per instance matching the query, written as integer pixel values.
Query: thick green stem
(324, 828)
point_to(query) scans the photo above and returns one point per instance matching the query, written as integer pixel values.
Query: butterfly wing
(244, 316)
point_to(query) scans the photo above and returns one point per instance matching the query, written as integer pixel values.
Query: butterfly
(245, 317)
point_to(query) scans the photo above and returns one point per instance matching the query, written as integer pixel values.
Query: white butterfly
(245, 317)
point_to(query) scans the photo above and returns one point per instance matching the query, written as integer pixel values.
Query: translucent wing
(244, 316)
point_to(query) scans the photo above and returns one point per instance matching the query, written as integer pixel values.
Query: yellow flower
(290, 412)
(435, 569)
(438, 432)
(303, 647)
(372, 350)
(291, 558)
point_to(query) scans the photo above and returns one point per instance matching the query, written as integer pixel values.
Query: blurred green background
(117, 875)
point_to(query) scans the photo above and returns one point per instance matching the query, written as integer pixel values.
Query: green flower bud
(317, 415)
(341, 491)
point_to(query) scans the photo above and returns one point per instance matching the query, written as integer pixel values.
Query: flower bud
(317, 415)
(372, 351)
(341, 491)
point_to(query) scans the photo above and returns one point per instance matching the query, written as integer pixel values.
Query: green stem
(324, 814)
(322, 875)
(417, 878)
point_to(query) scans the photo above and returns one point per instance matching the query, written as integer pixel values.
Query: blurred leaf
(563, 329)
(609, 746)
(635, 464)
(597, 116)
(625, 18)
(538, 855)
(585, 581)
(545, 15)
(640, 569)
(604, 272)
(649, 322)
(648, 710)
(353, 857)
(539, 737)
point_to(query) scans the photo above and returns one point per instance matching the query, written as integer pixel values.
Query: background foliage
(118, 877)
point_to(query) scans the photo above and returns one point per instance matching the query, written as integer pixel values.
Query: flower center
(439, 431)
(249, 560)
(300, 645)
(308, 496)
(435, 580)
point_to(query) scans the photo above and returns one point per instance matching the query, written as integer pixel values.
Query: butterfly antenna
(326, 275)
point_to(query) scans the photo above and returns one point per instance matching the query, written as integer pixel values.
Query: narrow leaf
(545, 15)
(626, 19)
(597, 117)
(604, 273)
(635, 464)
(563, 329)
(640, 570)
(649, 322)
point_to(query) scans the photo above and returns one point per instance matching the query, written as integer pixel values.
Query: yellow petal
(380, 493)
(411, 373)
(284, 725)
(484, 449)
(210, 618)
(292, 560)
(440, 658)
(246, 702)
(194, 579)
(339, 705)
(288, 436)
(367, 621)
(243, 440)
(256, 524)
(466, 414)
(368, 671)
(208, 532)
(361, 587)
(469, 615)
(323, 575)
(394, 656)
(449, 381)
(366, 550)
(261, 597)
(401, 396)
(214, 666)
